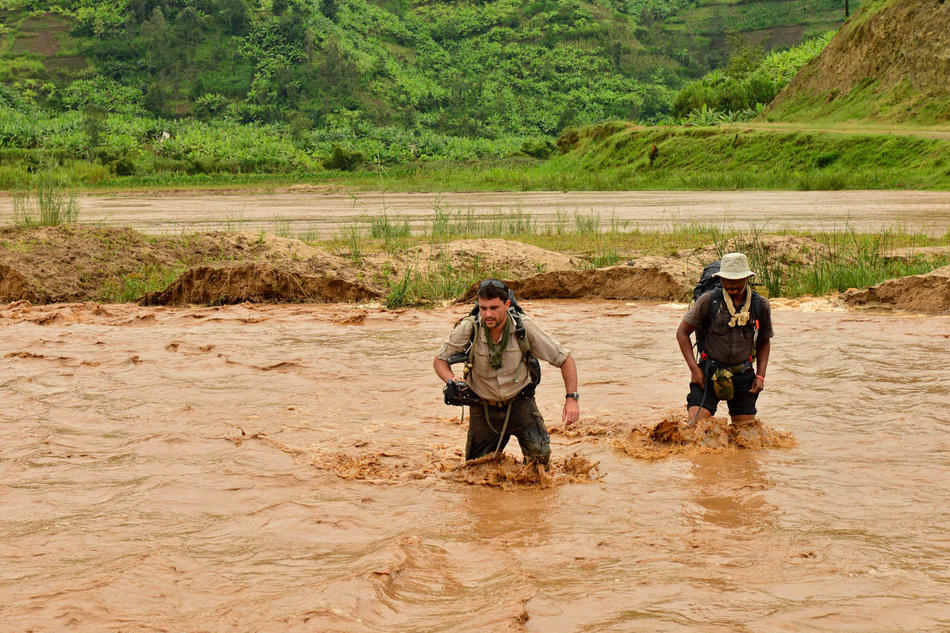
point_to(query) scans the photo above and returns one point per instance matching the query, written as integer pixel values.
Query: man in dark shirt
(733, 328)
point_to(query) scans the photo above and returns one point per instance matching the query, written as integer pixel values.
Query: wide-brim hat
(734, 266)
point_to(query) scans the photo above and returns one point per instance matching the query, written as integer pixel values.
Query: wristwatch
(573, 394)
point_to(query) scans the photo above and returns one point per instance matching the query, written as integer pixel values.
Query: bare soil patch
(257, 282)
(786, 249)
(920, 293)
(77, 263)
(644, 278)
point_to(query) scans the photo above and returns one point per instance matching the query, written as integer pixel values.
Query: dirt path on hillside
(942, 133)
(298, 211)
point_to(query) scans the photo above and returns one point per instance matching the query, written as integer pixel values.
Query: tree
(330, 8)
(234, 16)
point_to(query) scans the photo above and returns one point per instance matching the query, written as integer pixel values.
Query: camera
(457, 393)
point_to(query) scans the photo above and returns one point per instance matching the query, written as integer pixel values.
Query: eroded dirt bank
(74, 263)
(292, 467)
(923, 293)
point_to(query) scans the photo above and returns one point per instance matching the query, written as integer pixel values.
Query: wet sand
(299, 211)
(292, 468)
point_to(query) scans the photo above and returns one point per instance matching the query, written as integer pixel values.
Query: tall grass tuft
(45, 202)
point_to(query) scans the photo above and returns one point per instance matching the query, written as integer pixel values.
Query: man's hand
(572, 411)
(757, 385)
(696, 375)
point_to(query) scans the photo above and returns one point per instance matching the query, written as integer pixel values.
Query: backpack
(707, 283)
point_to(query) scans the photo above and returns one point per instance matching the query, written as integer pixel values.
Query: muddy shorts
(525, 423)
(742, 403)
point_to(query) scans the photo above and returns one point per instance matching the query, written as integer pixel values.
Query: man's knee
(536, 450)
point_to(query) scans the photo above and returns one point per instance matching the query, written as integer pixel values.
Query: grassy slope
(859, 78)
(615, 156)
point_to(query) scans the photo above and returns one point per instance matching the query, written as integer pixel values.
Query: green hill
(139, 88)
(890, 63)
(483, 69)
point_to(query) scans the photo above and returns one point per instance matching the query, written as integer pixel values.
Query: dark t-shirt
(724, 344)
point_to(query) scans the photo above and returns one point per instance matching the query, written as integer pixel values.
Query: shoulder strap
(715, 303)
(471, 340)
(521, 334)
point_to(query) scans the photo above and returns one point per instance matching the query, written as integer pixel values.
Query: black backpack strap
(534, 367)
(715, 303)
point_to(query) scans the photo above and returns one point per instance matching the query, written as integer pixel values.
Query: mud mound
(73, 263)
(709, 435)
(256, 282)
(899, 47)
(505, 472)
(516, 258)
(784, 249)
(920, 293)
(484, 257)
(78, 263)
(645, 278)
(14, 286)
(273, 248)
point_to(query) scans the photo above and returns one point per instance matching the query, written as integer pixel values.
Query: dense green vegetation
(169, 90)
(749, 81)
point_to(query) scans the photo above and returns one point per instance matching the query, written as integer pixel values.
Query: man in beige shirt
(501, 377)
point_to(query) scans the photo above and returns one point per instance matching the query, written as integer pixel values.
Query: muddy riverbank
(192, 469)
(302, 210)
(108, 264)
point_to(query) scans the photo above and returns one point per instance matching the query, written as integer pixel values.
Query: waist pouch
(722, 384)
(721, 378)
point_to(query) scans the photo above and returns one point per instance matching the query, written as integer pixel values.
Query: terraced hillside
(465, 67)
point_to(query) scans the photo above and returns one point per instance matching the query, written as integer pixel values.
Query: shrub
(538, 148)
(343, 159)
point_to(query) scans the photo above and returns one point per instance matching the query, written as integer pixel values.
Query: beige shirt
(506, 381)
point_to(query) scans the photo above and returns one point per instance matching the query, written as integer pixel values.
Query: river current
(288, 468)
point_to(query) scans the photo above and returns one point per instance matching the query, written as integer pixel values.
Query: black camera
(457, 393)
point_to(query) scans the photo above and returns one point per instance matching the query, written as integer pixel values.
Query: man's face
(493, 311)
(735, 288)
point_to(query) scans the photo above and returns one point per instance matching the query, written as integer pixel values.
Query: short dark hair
(493, 289)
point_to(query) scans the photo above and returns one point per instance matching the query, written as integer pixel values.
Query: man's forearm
(762, 356)
(569, 374)
(686, 346)
(443, 369)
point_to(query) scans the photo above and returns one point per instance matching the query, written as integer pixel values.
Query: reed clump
(788, 263)
(46, 201)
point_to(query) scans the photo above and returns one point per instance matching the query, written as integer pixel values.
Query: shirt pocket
(720, 324)
(512, 369)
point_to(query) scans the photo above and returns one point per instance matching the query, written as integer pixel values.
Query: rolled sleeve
(457, 341)
(544, 347)
(699, 311)
(765, 320)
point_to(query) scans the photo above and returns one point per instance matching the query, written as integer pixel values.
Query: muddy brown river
(301, 211)
(292, 468)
